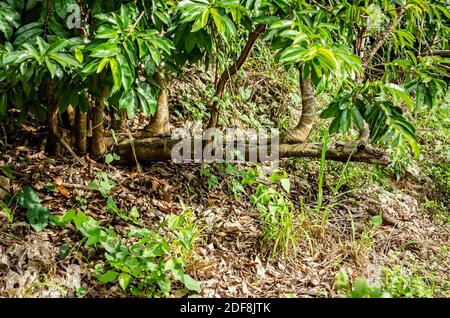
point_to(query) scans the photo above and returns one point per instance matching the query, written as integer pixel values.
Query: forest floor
(407, 254)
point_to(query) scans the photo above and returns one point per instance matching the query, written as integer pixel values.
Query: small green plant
(132, 217)
(360, 288)
(144, 262)
(395, 283)
(213, 181)
(111, 157)
(322, 172)
(103, 184)
(81, 202)
(7, 211)
(7, 171)
(276, 213)
(37, 215)
(402, 284)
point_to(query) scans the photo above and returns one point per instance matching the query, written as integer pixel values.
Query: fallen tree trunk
(160, 149)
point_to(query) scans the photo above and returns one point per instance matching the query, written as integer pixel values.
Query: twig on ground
(69, 149)
(133, 149)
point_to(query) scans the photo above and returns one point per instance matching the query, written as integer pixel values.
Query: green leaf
(17, 57)
(105, 50)
(229, 25)
(79, 55)
(91, 67)
(155, 54)
(131, 52)
(61, 8)
(28, 198)
(109, 158)
(191, 283)
(57, 46)
(286, 184)
(106, 32)
(331, 112)
(39, 57)
(117, 75)
(335, 125)
(103, 63)
(124, 280)
(27, 32)
(9, 18)
(128, 100)
(38, 217)
(64, 59)
(360, 288)
(52, 67)
(128, 76)
(5, 27)
(345, 120)
(134, 211)
(7, 211)
(64, 251)
(147, 98)
(357, 117)
(400, 93)
(292, 55)
(218, 21)
(108, 277)
(201, 21)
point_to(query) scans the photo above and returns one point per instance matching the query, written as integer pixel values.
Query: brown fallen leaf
(63, 190)
(58, 181)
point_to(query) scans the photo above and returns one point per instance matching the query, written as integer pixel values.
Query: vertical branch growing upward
(80, 131)
(160, 123)
(232, 70)
(302, 131)
(98, 146)
(53, 118)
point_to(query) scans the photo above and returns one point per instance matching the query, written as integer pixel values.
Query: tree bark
(160, 149)
(160, 123)
(52, 142)
(441, 53)
(80, 131)
(53, 118)
(68, 118)
(98, 146)
(301, 133)
(232, 70)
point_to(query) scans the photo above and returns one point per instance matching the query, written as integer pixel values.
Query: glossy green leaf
(105, 50)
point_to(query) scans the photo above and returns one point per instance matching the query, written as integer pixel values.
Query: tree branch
(232, 70)
(160, 149)
(383, 38)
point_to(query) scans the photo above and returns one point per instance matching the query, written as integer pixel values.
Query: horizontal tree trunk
(441, 53)
(160, 149)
